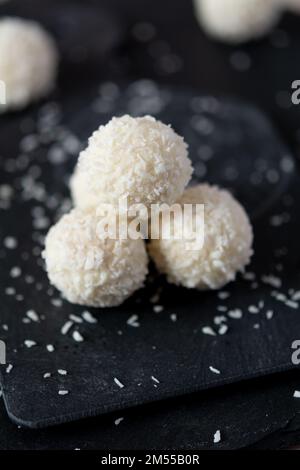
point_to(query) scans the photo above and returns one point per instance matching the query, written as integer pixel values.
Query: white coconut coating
(140, 159)
(90, 270)
(236, 21)
(227, 242)
(28, 62)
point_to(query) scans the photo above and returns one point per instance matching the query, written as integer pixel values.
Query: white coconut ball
(236, 21)
(227, 242)
(28, 62)
(140, 159)
(89, 269)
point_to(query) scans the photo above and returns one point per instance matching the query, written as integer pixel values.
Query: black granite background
(172, 50)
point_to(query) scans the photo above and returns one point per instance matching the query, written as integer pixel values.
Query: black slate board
(230, 144)
(245, 413)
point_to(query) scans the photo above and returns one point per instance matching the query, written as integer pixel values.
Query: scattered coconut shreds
(46, 375)
(222, 308)
(57, 302)
(158, 308)
(256, 326)
(279, 296)
(248, 276)
(117, 381)
(173, 317)
(10, 243)
(29, 343)
(63, 392)
(9, 368)
(77, 336)
(296, 394)
(66, 327)
(214, 370)
(235, 314)
(29, 279)
(223, 329)
(272, 281)
(207, 330)
(10, 291)
(50, 348)
(269, 314)
(291, 304)
(62, 372)
(75, 318)
(5, 327)
(155, 379)
(253, 309)
(133, 321)
(219, 319)
(155, 298)
(217, 436)
(118, 421)
(223, 295)
(88, 317)
(296, 296)
(32, 315)
(15, 272)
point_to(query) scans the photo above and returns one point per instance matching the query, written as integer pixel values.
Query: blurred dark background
(162, 40)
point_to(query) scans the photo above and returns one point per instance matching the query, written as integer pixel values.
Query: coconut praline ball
(236, 21)
(90, 270)
(227, 242)
(140, 159)
(28, 62)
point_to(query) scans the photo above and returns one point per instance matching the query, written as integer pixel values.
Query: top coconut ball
(140, 159)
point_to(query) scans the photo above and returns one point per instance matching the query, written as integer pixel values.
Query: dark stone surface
(260, 412)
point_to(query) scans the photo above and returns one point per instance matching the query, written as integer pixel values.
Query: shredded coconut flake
(133, 321)
(118, 421)
(77, 336)
(117, 381)
(29, 343)
(207, 330)
(155, 379)
(158, 308)
(217, 436)
(32, 315)
(235, 314)
(88, 317)
(66, 327)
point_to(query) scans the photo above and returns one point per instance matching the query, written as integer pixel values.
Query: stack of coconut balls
(146, 162)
